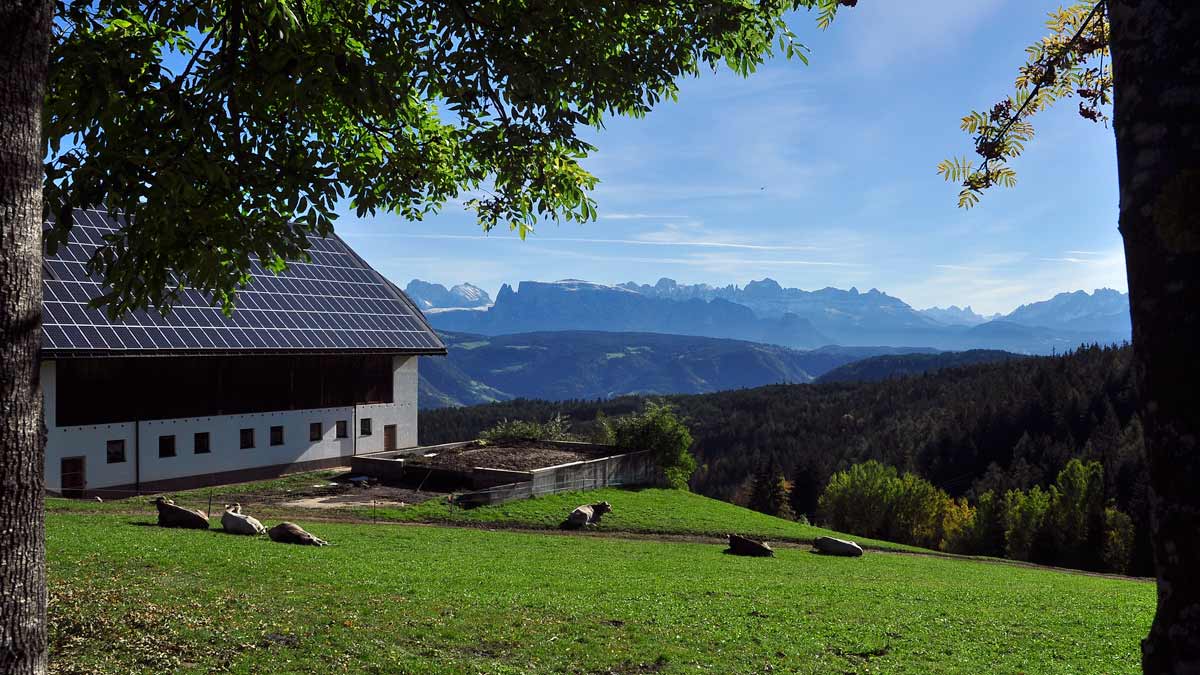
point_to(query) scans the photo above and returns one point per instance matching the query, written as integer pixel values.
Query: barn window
(342, 430)
(166, 446)
(314, 431)
(116, 451)
(200, 443)
(247, 438)
(364, 427)
(276, 435)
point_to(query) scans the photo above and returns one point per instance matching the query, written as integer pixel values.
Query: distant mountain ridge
(763, 311)
(572, 304)
(436, 296)
(845, 316)
(957, 316)
(1099, 310)
(597, 365)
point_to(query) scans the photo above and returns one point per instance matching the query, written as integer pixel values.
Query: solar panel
(335, 302)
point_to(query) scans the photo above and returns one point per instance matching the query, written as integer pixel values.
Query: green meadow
(385, 598)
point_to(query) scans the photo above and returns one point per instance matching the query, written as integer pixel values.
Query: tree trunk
(24, 50)
(1156, 59)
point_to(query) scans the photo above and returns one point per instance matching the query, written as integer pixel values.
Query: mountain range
(958, 316)
(763, 311)
(1103, 310)
(436, 296)
(592, 365)
(572, 304)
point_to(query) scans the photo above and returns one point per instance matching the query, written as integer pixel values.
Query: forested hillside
(563, 365)
(996, 426)
(906, 365)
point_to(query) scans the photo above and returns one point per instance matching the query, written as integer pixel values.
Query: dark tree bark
(1156, 59)
(24, 50)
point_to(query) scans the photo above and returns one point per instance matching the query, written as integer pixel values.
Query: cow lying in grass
(171, 515)
(236, 522)
(739, 545)
(291, 533)
(831, 546)
(587, 515)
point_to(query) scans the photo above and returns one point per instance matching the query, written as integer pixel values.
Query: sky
(818, 175)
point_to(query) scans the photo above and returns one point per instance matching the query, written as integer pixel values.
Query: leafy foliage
(658, 429)
(1119, 540)
(1065, 524)
(858, 500)
(1069, 61)
(557, 428)
(874, 500)
(228, 130)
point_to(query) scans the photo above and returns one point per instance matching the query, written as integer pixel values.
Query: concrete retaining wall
(635, 468)
(390, 465)
(495, 486)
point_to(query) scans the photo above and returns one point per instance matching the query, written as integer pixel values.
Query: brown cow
(739, 545)
(171, 515)
(291, 533)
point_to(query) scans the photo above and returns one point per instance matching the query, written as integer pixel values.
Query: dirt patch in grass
(319, 492)
(347, 495)
(511, 456)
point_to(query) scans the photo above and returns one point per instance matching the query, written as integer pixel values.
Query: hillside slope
(563, 365)
(994, 426)
(888, 366)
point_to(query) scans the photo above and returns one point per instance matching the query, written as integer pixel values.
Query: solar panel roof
(334, 303)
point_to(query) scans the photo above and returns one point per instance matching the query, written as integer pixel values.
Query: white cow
(587, 515)
(831, 546)
(236, 522)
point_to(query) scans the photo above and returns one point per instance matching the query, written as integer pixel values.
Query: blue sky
(819, 175)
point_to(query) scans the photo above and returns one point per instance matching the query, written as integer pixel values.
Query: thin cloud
(1113, 259)
(1073, 261)
(706, 260)
(638, 216)
(585, 240)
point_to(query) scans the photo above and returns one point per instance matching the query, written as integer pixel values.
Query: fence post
(209, 512)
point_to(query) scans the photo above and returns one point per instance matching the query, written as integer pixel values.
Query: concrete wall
(635, 468)
(225, 452)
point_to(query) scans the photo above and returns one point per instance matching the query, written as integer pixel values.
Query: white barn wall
(225, 453)
(404, 393)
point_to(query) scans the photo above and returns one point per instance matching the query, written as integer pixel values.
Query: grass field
(646, 511)
(126, 597)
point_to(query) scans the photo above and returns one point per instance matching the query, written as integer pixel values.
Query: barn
(317, 364)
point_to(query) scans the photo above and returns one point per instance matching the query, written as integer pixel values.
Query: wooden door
(74, 476)
(389, 437)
